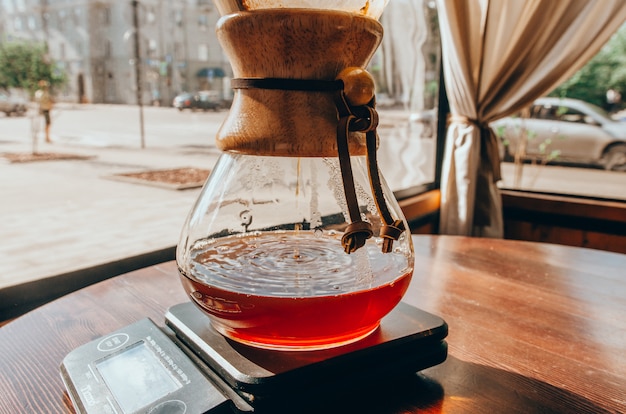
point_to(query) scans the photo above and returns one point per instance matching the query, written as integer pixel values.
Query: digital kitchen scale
(188, 367)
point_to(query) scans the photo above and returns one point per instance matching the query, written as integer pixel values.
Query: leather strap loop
(389, 233)
(355, 235)
(364, 119)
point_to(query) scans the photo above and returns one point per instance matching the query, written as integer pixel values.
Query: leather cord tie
(356, 114)
(286, 84)
(358, 231)
(357, 118)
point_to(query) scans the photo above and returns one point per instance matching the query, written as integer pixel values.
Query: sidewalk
(65, 215)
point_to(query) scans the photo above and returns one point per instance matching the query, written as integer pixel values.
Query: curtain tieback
(488, 143)
(462, 119)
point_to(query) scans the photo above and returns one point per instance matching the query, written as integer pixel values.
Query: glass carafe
(291, 246)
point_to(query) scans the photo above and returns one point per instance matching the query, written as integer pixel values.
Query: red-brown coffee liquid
(294, 291)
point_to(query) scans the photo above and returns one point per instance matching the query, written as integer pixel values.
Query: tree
(23, 64)
(606, 70)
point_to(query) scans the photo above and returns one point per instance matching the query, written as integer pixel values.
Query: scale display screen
(136, 377)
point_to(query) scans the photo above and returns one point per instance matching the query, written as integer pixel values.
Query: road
(79, 218)
(119, 125)
(587, 182)
(404, 163)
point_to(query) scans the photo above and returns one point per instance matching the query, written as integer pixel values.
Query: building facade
(93, 42)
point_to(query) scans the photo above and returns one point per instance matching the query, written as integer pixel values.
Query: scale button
(113, 342)
(169, 407)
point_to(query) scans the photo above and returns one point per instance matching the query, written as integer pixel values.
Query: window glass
(178, 18)
(93, 60)
(150, 16)
(77, 16)
(565, 147)
(61, 16)
(406, 68)
(203, 21)
(203, 52)
(572, 141)
(17, 23)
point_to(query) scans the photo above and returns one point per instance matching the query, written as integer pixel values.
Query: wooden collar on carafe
(355, 101)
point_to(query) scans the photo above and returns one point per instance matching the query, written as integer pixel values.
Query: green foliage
(604, 71)
(24, 64)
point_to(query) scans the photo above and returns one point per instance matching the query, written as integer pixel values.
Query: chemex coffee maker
(296, 255)
(296, 243)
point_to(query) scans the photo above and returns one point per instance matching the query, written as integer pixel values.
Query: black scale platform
(408, 340)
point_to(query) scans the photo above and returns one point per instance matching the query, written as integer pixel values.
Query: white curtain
(404, 68)
(498, 56)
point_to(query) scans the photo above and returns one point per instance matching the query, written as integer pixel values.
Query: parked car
(11, 104)
(568, 131)
(203, 100)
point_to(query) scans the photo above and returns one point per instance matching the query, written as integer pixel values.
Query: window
(62, 14)
(546, 149)
(566, 146)
(77, 15)
(203, 21)
(150, 15)
(406, 68)
(51, 21)
(203, 53)
(17, 24)
(152, 48)
(178, 18)
(572, 141)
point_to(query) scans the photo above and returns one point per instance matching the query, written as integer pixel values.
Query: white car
(11, 104)
(565, 130)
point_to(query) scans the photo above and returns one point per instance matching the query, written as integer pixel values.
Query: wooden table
(533, 328)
